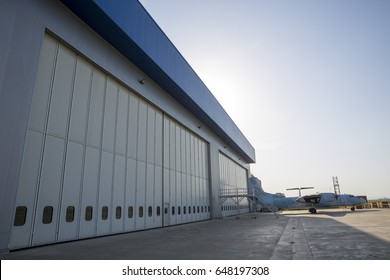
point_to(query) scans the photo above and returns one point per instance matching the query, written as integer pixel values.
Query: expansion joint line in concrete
(292, 244)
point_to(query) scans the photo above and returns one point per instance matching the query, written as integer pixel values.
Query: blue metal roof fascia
(128, 27)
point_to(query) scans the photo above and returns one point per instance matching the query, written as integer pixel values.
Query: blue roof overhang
(128, 27)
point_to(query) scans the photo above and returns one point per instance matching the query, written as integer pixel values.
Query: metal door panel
(201, 198)
(105, 192)
(166, 143)
(207, 197)
(202, 156)
(178, 203)
(189, 196)
(205, 203)
(61, 92)
(121, 123)
(197, 157)
(197, 198)
(159, 140)
(89, 192)
(183, 150)
(49, 191)
(110, 115)
(149, 195)
(158, 185)
(142, 132)
(80, 100)
(172, 197)
(45, 73)
(166, 214)
(27, 188)
(188, 152)
(184, 197)
(177, 148)
(133, 127)
(166, 187)
(172, 146)
(192, 151)
(118, 196)
(150, 139)
(95, 117)
(68, 229)
(201, 159)
(194, 200)
(131, 175)
(140, 194)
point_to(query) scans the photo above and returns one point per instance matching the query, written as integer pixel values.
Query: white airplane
(311, 202)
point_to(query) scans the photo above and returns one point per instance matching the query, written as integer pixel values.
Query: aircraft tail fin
(254, 184)
(262, 198)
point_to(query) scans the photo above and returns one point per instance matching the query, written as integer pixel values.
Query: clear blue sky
(307, 82)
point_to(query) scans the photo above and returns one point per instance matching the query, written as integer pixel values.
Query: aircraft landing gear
(353, 209)
(312, 210)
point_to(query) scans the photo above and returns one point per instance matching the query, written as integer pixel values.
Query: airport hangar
(105, 128)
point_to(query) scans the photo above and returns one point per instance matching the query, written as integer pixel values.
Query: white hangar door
(186, 178)
(233, 178)
(93, 158)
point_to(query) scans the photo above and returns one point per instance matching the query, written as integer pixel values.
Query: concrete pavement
(331, 234)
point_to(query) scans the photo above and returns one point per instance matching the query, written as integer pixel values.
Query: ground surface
(330, 234)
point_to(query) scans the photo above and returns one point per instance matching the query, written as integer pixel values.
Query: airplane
(311, 202)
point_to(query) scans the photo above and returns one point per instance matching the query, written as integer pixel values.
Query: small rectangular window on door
(69, 214)
(47, 216)
(104, 213)
(118, 212)
(158, 211)
(130, 212)
(88, 213)
(20, 216)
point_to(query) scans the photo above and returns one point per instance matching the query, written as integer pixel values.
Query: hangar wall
(71, 165)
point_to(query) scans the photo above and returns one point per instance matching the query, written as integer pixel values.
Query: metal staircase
(254, 194)
(260, 197)
(263, 201)
(254, 198)
(235, 196)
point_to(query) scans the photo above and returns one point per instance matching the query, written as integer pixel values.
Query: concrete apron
(292, 244)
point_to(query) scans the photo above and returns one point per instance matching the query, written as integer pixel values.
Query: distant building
(376, 203)
(105, 128)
